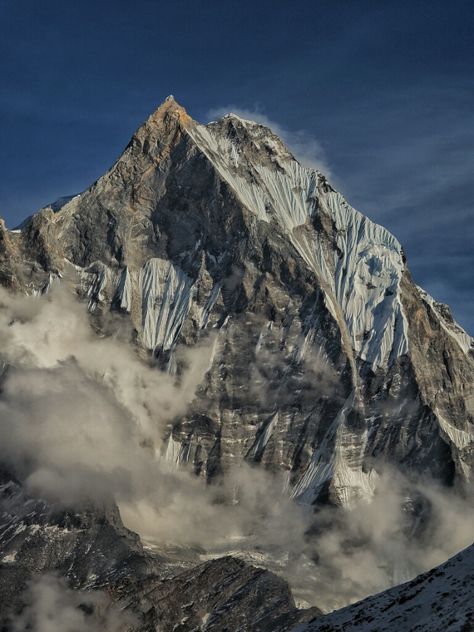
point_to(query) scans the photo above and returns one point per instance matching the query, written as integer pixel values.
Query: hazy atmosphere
(76, 413)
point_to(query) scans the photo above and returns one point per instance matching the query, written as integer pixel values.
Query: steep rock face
(441, 599)
(327, 361)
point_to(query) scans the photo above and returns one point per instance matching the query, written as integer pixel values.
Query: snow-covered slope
(440, 600)
(361, 275)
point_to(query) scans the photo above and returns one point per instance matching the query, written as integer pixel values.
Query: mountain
(326, 364)
(329, 356)
(441, 599)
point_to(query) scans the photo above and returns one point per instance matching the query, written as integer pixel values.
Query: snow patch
(166, 294)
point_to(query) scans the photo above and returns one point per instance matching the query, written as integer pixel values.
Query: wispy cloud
(51, 606)
(82, 418)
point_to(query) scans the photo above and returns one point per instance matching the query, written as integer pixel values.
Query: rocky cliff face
(328, 361)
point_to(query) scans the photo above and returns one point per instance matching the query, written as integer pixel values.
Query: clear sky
(381, 93)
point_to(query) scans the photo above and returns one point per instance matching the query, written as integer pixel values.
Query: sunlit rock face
(327, 359)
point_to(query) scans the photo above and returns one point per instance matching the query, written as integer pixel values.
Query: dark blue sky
(380, 91)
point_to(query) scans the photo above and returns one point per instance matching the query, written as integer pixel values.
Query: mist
(362, 549)
(83, 417)
(50, 606)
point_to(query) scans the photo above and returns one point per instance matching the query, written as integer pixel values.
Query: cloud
(408, 527)
(47, 333)
(76, 407)
(304, 146)
(50, 606)
(83, 418)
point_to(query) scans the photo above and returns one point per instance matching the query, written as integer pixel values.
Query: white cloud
(53, 607)
(82, 415)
